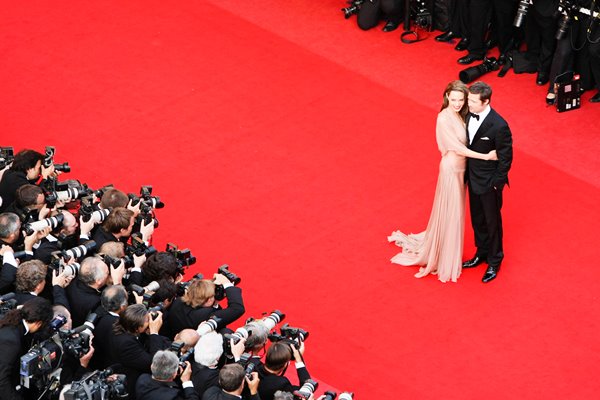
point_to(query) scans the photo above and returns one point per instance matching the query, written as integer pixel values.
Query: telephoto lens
(51, 222)
(307, 389)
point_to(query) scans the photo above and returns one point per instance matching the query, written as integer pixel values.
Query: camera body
(7, 156)
(353, 8)
(421, 15)
(99, 385)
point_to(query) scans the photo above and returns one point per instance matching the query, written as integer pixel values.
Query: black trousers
(540, 31)
(487, 225)
(459, 18)
(503, 13)
(371, 11)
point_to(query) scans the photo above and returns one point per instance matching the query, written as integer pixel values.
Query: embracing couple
(476, 147)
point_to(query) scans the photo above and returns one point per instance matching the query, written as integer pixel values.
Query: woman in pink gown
(439, 249)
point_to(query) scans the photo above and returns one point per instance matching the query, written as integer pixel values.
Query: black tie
(474, 116)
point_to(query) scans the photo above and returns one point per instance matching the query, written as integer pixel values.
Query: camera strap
(404, 37)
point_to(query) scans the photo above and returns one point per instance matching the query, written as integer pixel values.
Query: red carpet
(289, 144)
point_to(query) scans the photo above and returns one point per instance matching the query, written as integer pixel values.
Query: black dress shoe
(462, 45)
(595, 98)
(490, 274)
(542, 78)
(391, 26)
(473, 262)
(490, 44)
(469, 58)
(446, 36)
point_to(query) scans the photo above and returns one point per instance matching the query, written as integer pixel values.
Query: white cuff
(187, 384)
(9, 258)
(299, 364)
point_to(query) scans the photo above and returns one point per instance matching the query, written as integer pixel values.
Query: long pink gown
(439, 249)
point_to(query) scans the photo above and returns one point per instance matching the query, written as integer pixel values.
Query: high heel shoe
(550, 99)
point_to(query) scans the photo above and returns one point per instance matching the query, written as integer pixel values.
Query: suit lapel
(485, 126)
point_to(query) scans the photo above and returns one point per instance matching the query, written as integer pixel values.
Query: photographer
(25, 169)
(232, 379)
(198, 304)
(31, 281)
(371, 12)
(63, 237)
(84, 292)
(116, 227)
(131, 347)
(16, 329)
(114, 302)
(158, 266)
(161, 384)
(29, 200)
(277, 361)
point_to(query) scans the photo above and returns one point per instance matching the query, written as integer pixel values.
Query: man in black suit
(277, 361)
(487, 131)
(232, 379)
(26, 168)
(84, 292)
(16, 330)
(161, 384)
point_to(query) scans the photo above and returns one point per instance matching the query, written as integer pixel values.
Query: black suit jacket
(133, 357)
(13, 345)
(182, 316)
(102, 334)
(8, 274)
(150, 389)
(493, 134)
(11, 181)
(270, 383)
(83, 300)
(204, 378)
(216, 393)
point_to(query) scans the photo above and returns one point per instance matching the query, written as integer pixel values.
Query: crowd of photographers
(90, 309)
(561, 37)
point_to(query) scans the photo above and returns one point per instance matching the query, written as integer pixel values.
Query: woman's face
(456, 100)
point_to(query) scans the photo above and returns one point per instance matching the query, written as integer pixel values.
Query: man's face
(127, 232)
(34, 173)
(69, 224)
(475, 104)
(39, 202)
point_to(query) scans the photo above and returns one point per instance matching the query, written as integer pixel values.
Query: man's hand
(35, 237)
(237, 349)
(86, 227)
(155, 323)
(220, 279)
(44, 212)
(6, 249)
(60, 279)
(147, 230)
(48, 172)
(298, 352)
(136, 208)
(253, 383)
(138, 261)
(186, 375)
(117, 273)
(85, 359)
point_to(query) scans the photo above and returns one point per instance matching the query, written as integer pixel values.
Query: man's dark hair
(231, 377)
(160, 265)
(113, 198)
(482, 89)
(27, 195)
(30, 274)
(113, 298)
(131, 320)
(166, 291)
(26, 159)
(119, 218)
(34, 310)
(278, 355)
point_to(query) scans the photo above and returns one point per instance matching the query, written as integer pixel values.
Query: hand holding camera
(186, 375)
(253, 382)
(155, 322)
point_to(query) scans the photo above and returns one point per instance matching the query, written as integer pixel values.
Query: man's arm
(504, 152)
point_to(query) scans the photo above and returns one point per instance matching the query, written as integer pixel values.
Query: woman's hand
(492, 155)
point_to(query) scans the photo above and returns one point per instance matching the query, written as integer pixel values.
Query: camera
(80, 251)
(160, 307)
(58, 264)
(7, 303)
(421, 15)
(151, 287)
(293, 333)
(50, 222)
(209, 325)
(273, 319)
(470, 74)
(353, 8)
(65, 191)
(566, 8)
(177, 348)
(101, 385)
(307, 389)
(89, 211)
(49, 160)
(183, 286)
(77, 340)
(249, 366)
(147, 204)
(138, 247)
(184, 257)
(7, 156)
(522, 12)
(233, 278)
(39, 362)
